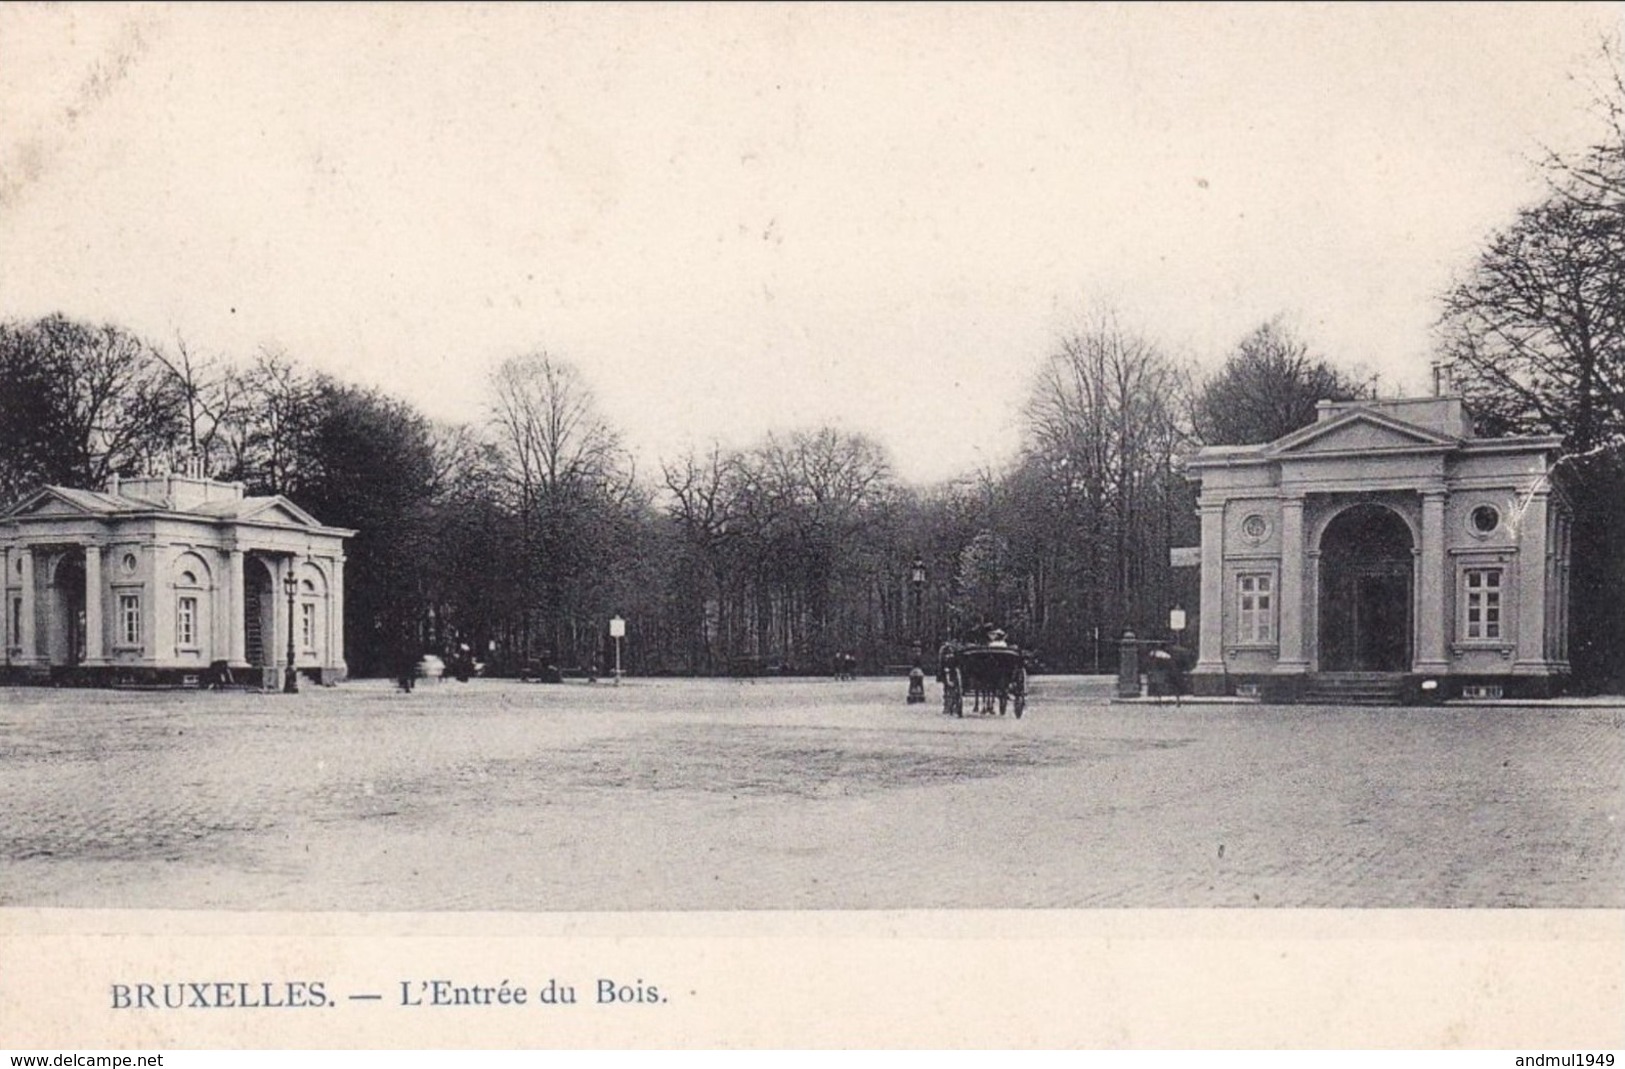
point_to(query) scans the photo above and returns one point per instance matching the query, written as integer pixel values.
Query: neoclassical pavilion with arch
(165, 578)
(1386, 546)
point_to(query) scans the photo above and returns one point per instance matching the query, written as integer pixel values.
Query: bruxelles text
(222, 995)
(315, 994)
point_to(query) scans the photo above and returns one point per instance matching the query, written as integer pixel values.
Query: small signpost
(617, 631)
(1175, 666)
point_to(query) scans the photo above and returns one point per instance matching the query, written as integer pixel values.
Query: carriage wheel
(1019, 692)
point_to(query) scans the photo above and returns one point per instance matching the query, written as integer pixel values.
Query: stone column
(1524, 607)
(1210, 647)
(1128, 666)
(236, 642)
(277, 648)
(93, 605)
(1290, 659)
(1430, 565)
(1311, 616)
(27, 639)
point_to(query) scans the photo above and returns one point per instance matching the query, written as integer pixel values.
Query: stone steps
(1355, 688)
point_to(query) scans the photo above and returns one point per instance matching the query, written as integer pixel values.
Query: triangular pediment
(56, 501)
(1359, 431)
(277, 510)
(51, 506)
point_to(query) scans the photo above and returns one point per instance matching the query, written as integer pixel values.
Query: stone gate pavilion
(1383, 542)
(154, 579)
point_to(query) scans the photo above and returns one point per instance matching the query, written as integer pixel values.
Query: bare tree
(263, 434)
(100, 400)
(1536, 328)
(549, 433)
(1103, 425)
(565, 471)
(212, 397)
(1595, 177)
(1536, 333)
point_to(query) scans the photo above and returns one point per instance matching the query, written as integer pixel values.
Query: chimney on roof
(112, 484)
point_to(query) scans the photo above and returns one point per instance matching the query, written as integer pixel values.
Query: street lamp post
(290, 678)
(916, 675)
(916, 576)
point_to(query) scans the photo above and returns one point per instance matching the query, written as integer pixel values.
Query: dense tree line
(524, 532)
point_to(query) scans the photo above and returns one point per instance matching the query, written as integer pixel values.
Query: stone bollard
(1128, 666)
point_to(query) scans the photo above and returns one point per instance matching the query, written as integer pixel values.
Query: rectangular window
(1255, 597)
(16, 621)
(1482, 603)
(186, 622)
(307, 624)
(129, 616)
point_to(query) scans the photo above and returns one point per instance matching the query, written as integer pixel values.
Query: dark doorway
(69, 582)
(257, 610)
(1366, 565)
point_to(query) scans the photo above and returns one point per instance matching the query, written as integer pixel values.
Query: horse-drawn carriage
(994, 676)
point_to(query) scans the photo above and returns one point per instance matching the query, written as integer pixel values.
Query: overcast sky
(737, 219)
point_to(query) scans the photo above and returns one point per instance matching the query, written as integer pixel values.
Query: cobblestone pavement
(798, 794)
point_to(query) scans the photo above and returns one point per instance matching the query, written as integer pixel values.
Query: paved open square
(794, 794)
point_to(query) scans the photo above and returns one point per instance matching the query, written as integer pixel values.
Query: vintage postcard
(811, 526)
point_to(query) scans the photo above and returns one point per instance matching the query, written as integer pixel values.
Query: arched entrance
(1366, 569)
(68, 619)
(258, 608)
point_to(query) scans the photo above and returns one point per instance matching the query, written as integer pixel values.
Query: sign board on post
(617, 631)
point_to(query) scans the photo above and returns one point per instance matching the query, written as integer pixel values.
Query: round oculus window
(1484, 519)
(1255, 528)
(128, 562)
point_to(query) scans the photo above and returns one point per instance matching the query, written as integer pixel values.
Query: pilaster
(335, 619)
(236, 642)
(28, 639)
(95, 639)
(1531, 569)
(161, 617)
(1430, 566)
(1210, 647)
(1290, 658)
